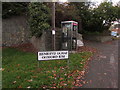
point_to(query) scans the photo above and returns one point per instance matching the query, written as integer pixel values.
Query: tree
(105, 12)
(13, 8)
(117, 7)
(65, 12)
(84, 14)
(39, 15)
(92, 19)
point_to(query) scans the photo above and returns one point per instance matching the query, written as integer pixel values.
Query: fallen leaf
(90, 81)
(78, 77)
(69, 81)
(3, 69)
(14, 82)
(82, 72)
(32, 71)
(64, 84)
(84, 82)
(18, 65)
(80, 85)
(30, 80)
(65, 74)
(44, 87)
(53, 87)
(55, 67)
(48, 71)
(54, 84)
(102, 56)
(61, 78)
(77, 81)
(34, 76)
(76, 84)
(105, 73)
(28, 87)
(18, 77)
(81, 63)
(20, 86)
(53, 71)
(98, 73)
(55, 78)
(54, 75)
(50, 76)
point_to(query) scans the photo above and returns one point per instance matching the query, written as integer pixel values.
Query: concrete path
(103, 69)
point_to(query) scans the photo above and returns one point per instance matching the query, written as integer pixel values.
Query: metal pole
(38, 64)
(71, 37)
(53, 24)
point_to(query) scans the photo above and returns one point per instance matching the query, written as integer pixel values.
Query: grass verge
(20, 70)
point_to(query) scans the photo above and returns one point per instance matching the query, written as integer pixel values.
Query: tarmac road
(103, 69)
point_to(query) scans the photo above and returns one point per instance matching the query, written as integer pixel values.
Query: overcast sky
(99, 1)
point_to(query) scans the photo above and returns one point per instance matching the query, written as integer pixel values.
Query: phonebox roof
(69, 22)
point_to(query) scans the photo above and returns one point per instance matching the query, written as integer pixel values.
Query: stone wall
(44, 43)
(98, 38)
(15, 31)
(58, 39)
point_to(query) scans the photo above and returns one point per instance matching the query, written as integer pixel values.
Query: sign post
(53, 24)
(52, 55)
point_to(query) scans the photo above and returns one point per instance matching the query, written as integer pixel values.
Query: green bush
(39, 15)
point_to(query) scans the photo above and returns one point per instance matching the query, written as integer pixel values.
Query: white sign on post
(52, 55)
(53, 32)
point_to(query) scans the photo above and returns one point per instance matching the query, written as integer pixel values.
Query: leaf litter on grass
(50, 74)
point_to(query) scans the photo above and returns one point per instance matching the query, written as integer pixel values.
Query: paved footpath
(103, 69)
